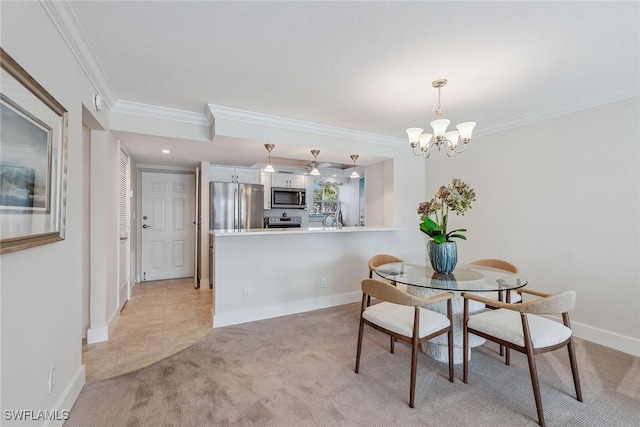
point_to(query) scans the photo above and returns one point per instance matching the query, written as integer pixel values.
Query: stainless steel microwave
(288, 198)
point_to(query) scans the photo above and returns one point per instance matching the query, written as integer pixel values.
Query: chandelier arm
(464, 147)
(426, 152)
(423, 151)
(449, 148)
(418, 151)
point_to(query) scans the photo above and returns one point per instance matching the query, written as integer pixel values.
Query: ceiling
(366, 66)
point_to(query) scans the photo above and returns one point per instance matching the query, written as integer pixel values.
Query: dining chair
(520, 327)
(500, 265)
(378, 260)
(401, 316)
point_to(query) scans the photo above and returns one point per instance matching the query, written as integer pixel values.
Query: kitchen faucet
(336, 223)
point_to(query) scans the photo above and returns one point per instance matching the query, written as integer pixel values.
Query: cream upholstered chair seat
(506, 325)
(399, 319)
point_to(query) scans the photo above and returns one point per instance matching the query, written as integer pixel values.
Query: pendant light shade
(354, 174)
(269, 167)
(314, 170)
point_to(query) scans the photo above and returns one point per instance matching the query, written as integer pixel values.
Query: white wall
(349, 202)
(340, 258)
(374, 195)
(560, 199)
(86, 224)
(41, 300)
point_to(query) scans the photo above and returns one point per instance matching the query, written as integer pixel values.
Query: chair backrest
(380, 259)
(387, 292)
(496, 263)
(558, 303)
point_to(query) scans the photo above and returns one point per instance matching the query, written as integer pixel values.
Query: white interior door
(124, 227)
(167, 225)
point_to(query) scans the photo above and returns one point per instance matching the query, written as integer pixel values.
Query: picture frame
(33, 161)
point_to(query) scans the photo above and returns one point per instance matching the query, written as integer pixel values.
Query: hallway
(160, 319)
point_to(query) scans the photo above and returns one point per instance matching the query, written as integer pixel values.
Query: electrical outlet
(247, 293)
(323, 282)
(51, 379)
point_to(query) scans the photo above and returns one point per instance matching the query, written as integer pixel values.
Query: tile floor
(160, 319)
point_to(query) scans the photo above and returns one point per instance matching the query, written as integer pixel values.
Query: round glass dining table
(423, 281)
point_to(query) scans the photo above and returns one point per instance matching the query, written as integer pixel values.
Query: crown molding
(228, 113)
(557, 110)
(67, 25)
(65, 21)
(157, 112)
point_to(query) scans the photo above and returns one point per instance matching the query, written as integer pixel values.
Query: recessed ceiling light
(165, 151)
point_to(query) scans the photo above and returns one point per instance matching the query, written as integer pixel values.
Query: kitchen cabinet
(265, 180)
(287, 180)
(232, 174)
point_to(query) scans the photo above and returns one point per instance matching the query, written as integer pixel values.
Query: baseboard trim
(113, 322)
(293, 307)
(69, 397)
(608, 339)
(95, 335)
(101, 334)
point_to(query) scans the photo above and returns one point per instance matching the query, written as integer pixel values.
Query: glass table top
(469, 277)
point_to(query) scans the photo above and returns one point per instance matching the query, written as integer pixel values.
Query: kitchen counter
(304, 230)
(282, 271)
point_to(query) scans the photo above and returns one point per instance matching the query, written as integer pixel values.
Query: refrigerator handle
(241, 219)
(235, 210)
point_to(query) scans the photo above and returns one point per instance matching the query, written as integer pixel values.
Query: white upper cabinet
(266, 182)
(231, 174)
(287, 180)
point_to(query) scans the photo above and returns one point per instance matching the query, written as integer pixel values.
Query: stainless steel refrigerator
(236, 206)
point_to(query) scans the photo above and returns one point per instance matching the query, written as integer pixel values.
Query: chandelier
(453, 142)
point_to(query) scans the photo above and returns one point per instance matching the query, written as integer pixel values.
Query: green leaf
(459, 229)
(459, 236)
(430, 224)
(440, 238)
(425, 230)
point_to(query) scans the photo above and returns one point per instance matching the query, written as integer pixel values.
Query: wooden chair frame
(528, 348)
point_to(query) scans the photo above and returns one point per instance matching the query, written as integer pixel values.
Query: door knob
(145, 226)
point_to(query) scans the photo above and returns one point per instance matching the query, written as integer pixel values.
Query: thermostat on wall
(98, 102)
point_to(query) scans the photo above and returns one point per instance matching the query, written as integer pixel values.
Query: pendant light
(315, 170)
(354, 174)
(269, 167)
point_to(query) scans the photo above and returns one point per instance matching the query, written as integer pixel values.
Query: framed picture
(33, 161)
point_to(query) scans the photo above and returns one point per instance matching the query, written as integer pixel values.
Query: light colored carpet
(299, 371)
